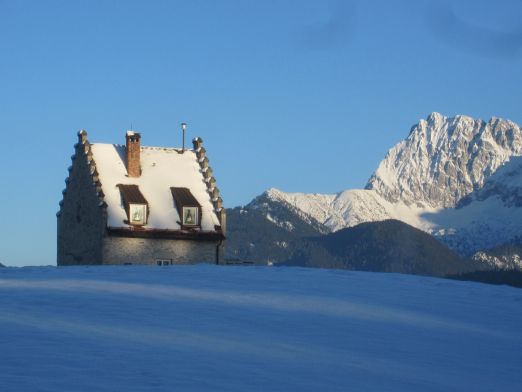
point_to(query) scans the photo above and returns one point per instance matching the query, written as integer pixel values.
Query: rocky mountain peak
(444, 159)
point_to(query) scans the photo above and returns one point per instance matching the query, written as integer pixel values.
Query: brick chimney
(133, 153)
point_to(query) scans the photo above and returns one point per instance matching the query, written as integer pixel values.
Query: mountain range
(456, 178)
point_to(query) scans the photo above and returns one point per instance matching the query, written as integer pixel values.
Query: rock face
(445, 159)
(505, 183)
(486, 218)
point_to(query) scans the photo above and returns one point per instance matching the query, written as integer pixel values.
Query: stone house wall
(81, 221)
(127, 250)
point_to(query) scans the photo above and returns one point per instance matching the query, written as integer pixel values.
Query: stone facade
(82, 220)
(125, 250)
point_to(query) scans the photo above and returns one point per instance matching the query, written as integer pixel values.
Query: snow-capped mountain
(444, 159)
(457, 178)
(347, 208)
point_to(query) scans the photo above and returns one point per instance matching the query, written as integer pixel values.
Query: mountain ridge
(476, 164)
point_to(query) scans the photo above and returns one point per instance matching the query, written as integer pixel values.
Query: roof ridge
(146, 147)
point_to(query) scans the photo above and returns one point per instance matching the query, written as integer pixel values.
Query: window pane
(137, 214)
(190, 215)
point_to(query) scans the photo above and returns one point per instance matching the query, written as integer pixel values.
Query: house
(130, 204)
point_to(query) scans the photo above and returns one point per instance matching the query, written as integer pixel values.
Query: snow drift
(203, 327)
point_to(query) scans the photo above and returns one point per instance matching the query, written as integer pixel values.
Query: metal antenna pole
(183, 127)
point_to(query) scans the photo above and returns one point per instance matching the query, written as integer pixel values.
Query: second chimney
(133, 154)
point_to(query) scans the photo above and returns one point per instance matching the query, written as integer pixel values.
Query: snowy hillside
(457, 178)
(208, 328)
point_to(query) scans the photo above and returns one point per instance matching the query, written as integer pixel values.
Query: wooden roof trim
(166, 234)
(131, 194)
(183, 197)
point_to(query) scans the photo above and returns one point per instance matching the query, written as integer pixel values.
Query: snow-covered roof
(161, 169)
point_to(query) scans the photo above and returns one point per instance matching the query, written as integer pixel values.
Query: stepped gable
(83, 150)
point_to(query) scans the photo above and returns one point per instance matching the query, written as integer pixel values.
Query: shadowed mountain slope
(387, 246)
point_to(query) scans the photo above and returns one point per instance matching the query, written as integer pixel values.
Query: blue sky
(300, 95)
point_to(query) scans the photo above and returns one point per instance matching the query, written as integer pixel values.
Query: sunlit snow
(162, 168)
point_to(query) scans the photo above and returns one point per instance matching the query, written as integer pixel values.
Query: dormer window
(135, 204)
(189, 210)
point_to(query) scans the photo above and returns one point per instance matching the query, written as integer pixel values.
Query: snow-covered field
(210, 328)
